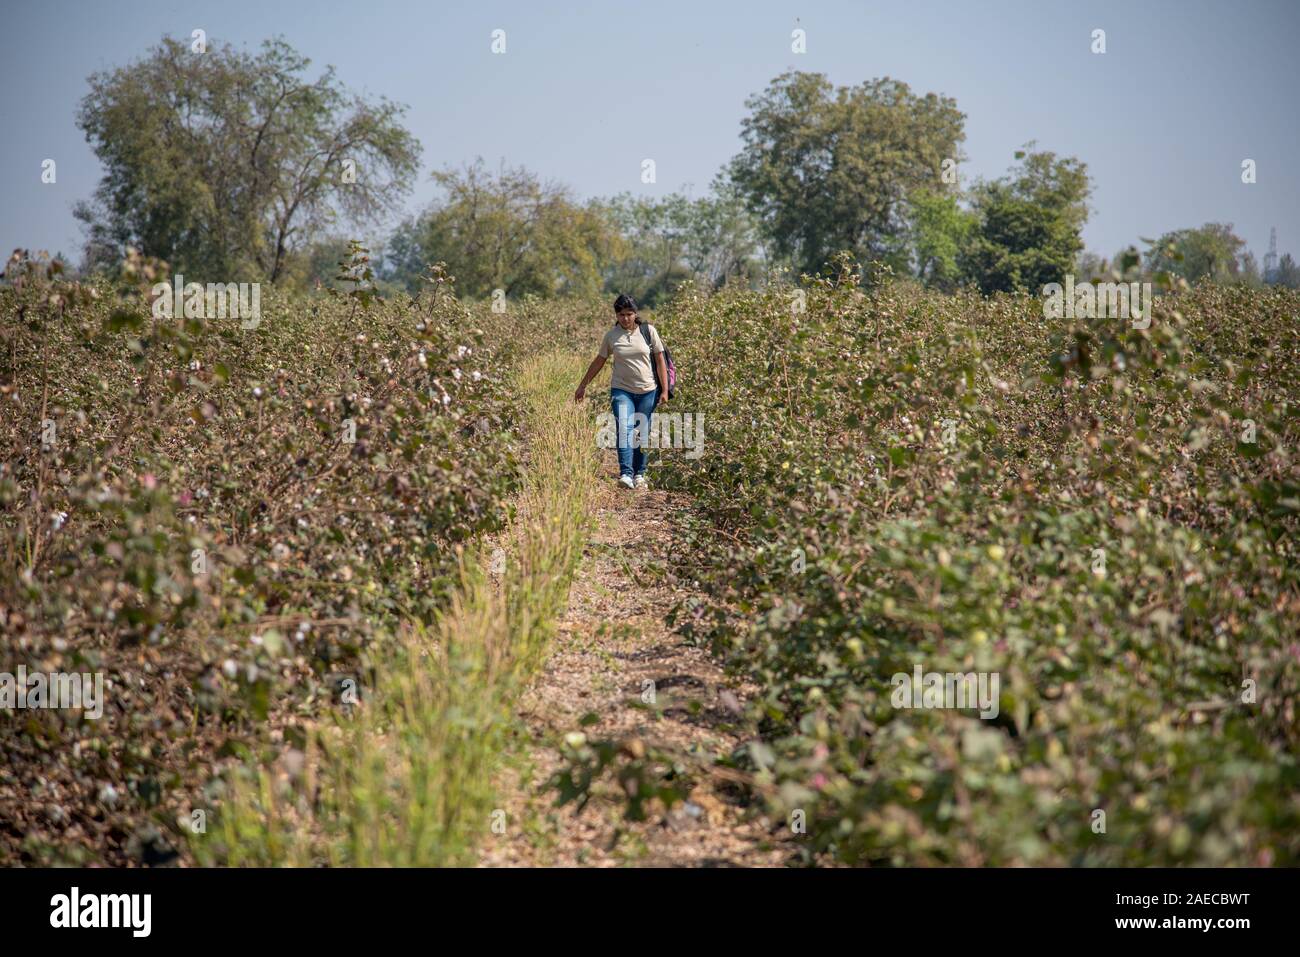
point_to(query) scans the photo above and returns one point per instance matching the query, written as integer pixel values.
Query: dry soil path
(610, 643)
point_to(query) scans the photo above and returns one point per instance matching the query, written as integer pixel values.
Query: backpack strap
(654, 369)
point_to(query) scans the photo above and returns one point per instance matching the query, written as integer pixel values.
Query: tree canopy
(711, 240)
(1028, 224)
(828, 169)
(504, 230)
(226, 162)
(1212, 251)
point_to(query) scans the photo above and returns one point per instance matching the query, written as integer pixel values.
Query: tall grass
(407, 780)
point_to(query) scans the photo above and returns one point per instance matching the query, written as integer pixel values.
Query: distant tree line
(1209, 252)
(238, 165)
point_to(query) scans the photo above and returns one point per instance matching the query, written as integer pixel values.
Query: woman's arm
(663, 377)
(593, 370)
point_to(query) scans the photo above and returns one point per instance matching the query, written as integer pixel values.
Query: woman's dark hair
(624, 302)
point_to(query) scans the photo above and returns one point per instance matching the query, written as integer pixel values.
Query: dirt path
(611, 641)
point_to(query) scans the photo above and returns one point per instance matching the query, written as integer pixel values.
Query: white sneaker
(641, 482)
(625, 481)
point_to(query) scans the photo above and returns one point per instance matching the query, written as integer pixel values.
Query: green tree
(652, 248)
(1028, 224)
(722, 238)
(940, 229)
(664, 242)
(506, 230)
(828, 169)
(1090, 266)
(229, 163)
(403, 260)
(317, 264)
(1286, 273)
(1212, 251)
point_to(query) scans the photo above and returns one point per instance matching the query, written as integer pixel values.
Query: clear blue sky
(1186, 90)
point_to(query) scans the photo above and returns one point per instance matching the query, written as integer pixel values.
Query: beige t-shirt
(632, 370)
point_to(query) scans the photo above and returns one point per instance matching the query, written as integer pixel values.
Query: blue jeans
(631, 461)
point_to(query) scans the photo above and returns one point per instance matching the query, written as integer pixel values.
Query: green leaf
(122, 319)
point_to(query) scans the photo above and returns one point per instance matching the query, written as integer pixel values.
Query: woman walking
(633, 387)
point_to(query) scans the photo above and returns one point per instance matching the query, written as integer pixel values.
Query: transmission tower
(1270, 258)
